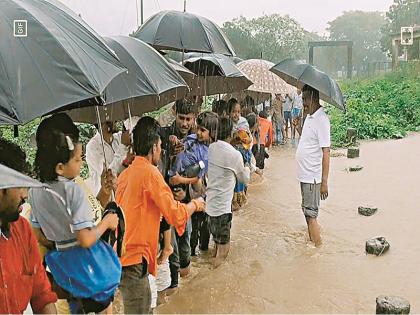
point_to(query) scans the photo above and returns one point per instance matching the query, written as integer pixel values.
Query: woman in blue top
(85, 267)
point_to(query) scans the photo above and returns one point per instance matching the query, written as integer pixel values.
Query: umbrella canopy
(9, 178)
(264, 81)
(149, 83)
(217, 74)
(184, 72)
(298, 73)
(182, 31)
(61, 61)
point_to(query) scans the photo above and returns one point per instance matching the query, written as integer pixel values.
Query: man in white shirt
(116, 146)
(313, 159)
(225, 167)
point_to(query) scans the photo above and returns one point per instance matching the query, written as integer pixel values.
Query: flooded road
(272, 268)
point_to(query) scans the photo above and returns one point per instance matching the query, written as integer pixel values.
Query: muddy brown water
(272, 268)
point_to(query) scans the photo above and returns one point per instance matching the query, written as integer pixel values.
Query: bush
(381, 108)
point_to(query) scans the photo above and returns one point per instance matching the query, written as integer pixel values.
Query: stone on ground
(392, 305)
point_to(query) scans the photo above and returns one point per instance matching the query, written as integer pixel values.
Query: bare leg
(314, 231)
(108, 310)
(222, 253)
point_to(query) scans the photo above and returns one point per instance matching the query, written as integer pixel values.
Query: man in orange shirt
(264, 140)
(144, 197)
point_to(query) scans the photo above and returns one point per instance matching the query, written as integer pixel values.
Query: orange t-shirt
(144, 196)
(266, 131)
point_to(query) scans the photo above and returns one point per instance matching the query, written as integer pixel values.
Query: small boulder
(377, 246)
(392, 305)
(355, 168)
(353, 152)
(366, 211)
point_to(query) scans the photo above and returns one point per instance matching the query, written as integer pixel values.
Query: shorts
(220, 228)
(311, 196)
(287, 115)
(296, 112)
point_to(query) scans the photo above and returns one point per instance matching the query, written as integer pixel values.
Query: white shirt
(297, 101)
(315, 136)
(115, 155)
(287, 104)
(225, 167)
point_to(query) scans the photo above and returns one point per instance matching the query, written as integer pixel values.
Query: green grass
(381, 108)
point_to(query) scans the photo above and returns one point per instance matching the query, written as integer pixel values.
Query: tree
(364, 29)
(272, 37)
(401, 13)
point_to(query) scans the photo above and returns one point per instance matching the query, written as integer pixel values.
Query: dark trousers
(260, 155)
(181, 256)
(135, 290)
(200, 231)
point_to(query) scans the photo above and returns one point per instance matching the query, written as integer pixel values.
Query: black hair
(53, 146)
(146, 133)
(231, 104)
(263, 114)
(12, 156)
(313, 92)
(210, 121)
(185, 107)
(220, 107)
(249, 101)
(252, 120)
(224, 129)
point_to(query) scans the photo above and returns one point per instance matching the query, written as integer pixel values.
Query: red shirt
(22, 275)
(144, 197)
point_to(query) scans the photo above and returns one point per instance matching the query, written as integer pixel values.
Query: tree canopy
(273, 37)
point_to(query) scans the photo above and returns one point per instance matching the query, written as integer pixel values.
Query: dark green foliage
(381, 108)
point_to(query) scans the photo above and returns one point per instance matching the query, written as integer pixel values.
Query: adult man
(145, 197)
(225, 167)
(184, 122)
(313, 159)
(278, 119)
(23, 279)
(297, 110)
(116, 147)
(287, 113)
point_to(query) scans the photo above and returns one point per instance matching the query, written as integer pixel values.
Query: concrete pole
(311, 55)
(349, 61)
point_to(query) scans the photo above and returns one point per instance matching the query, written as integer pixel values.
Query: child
(264, 141)
(86, 268)
(242, 140)
(226, 166)
(196, 150)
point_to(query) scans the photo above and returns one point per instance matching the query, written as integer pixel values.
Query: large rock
(366, 211)
(353, 152)
(377, 246)
(392, 305)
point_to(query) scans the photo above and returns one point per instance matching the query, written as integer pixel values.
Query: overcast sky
(118, 17)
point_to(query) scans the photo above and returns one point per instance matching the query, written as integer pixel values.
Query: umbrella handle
(98, 117)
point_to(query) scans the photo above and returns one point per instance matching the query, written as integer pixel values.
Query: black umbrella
(217, 74)
(298, 73)
(149, 83)
(182, 31)
(59, 62)
(188, 76)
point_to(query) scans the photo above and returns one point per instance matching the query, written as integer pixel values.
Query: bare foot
(183, 272)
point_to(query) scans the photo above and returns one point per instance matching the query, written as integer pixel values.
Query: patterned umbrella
(264, 81)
